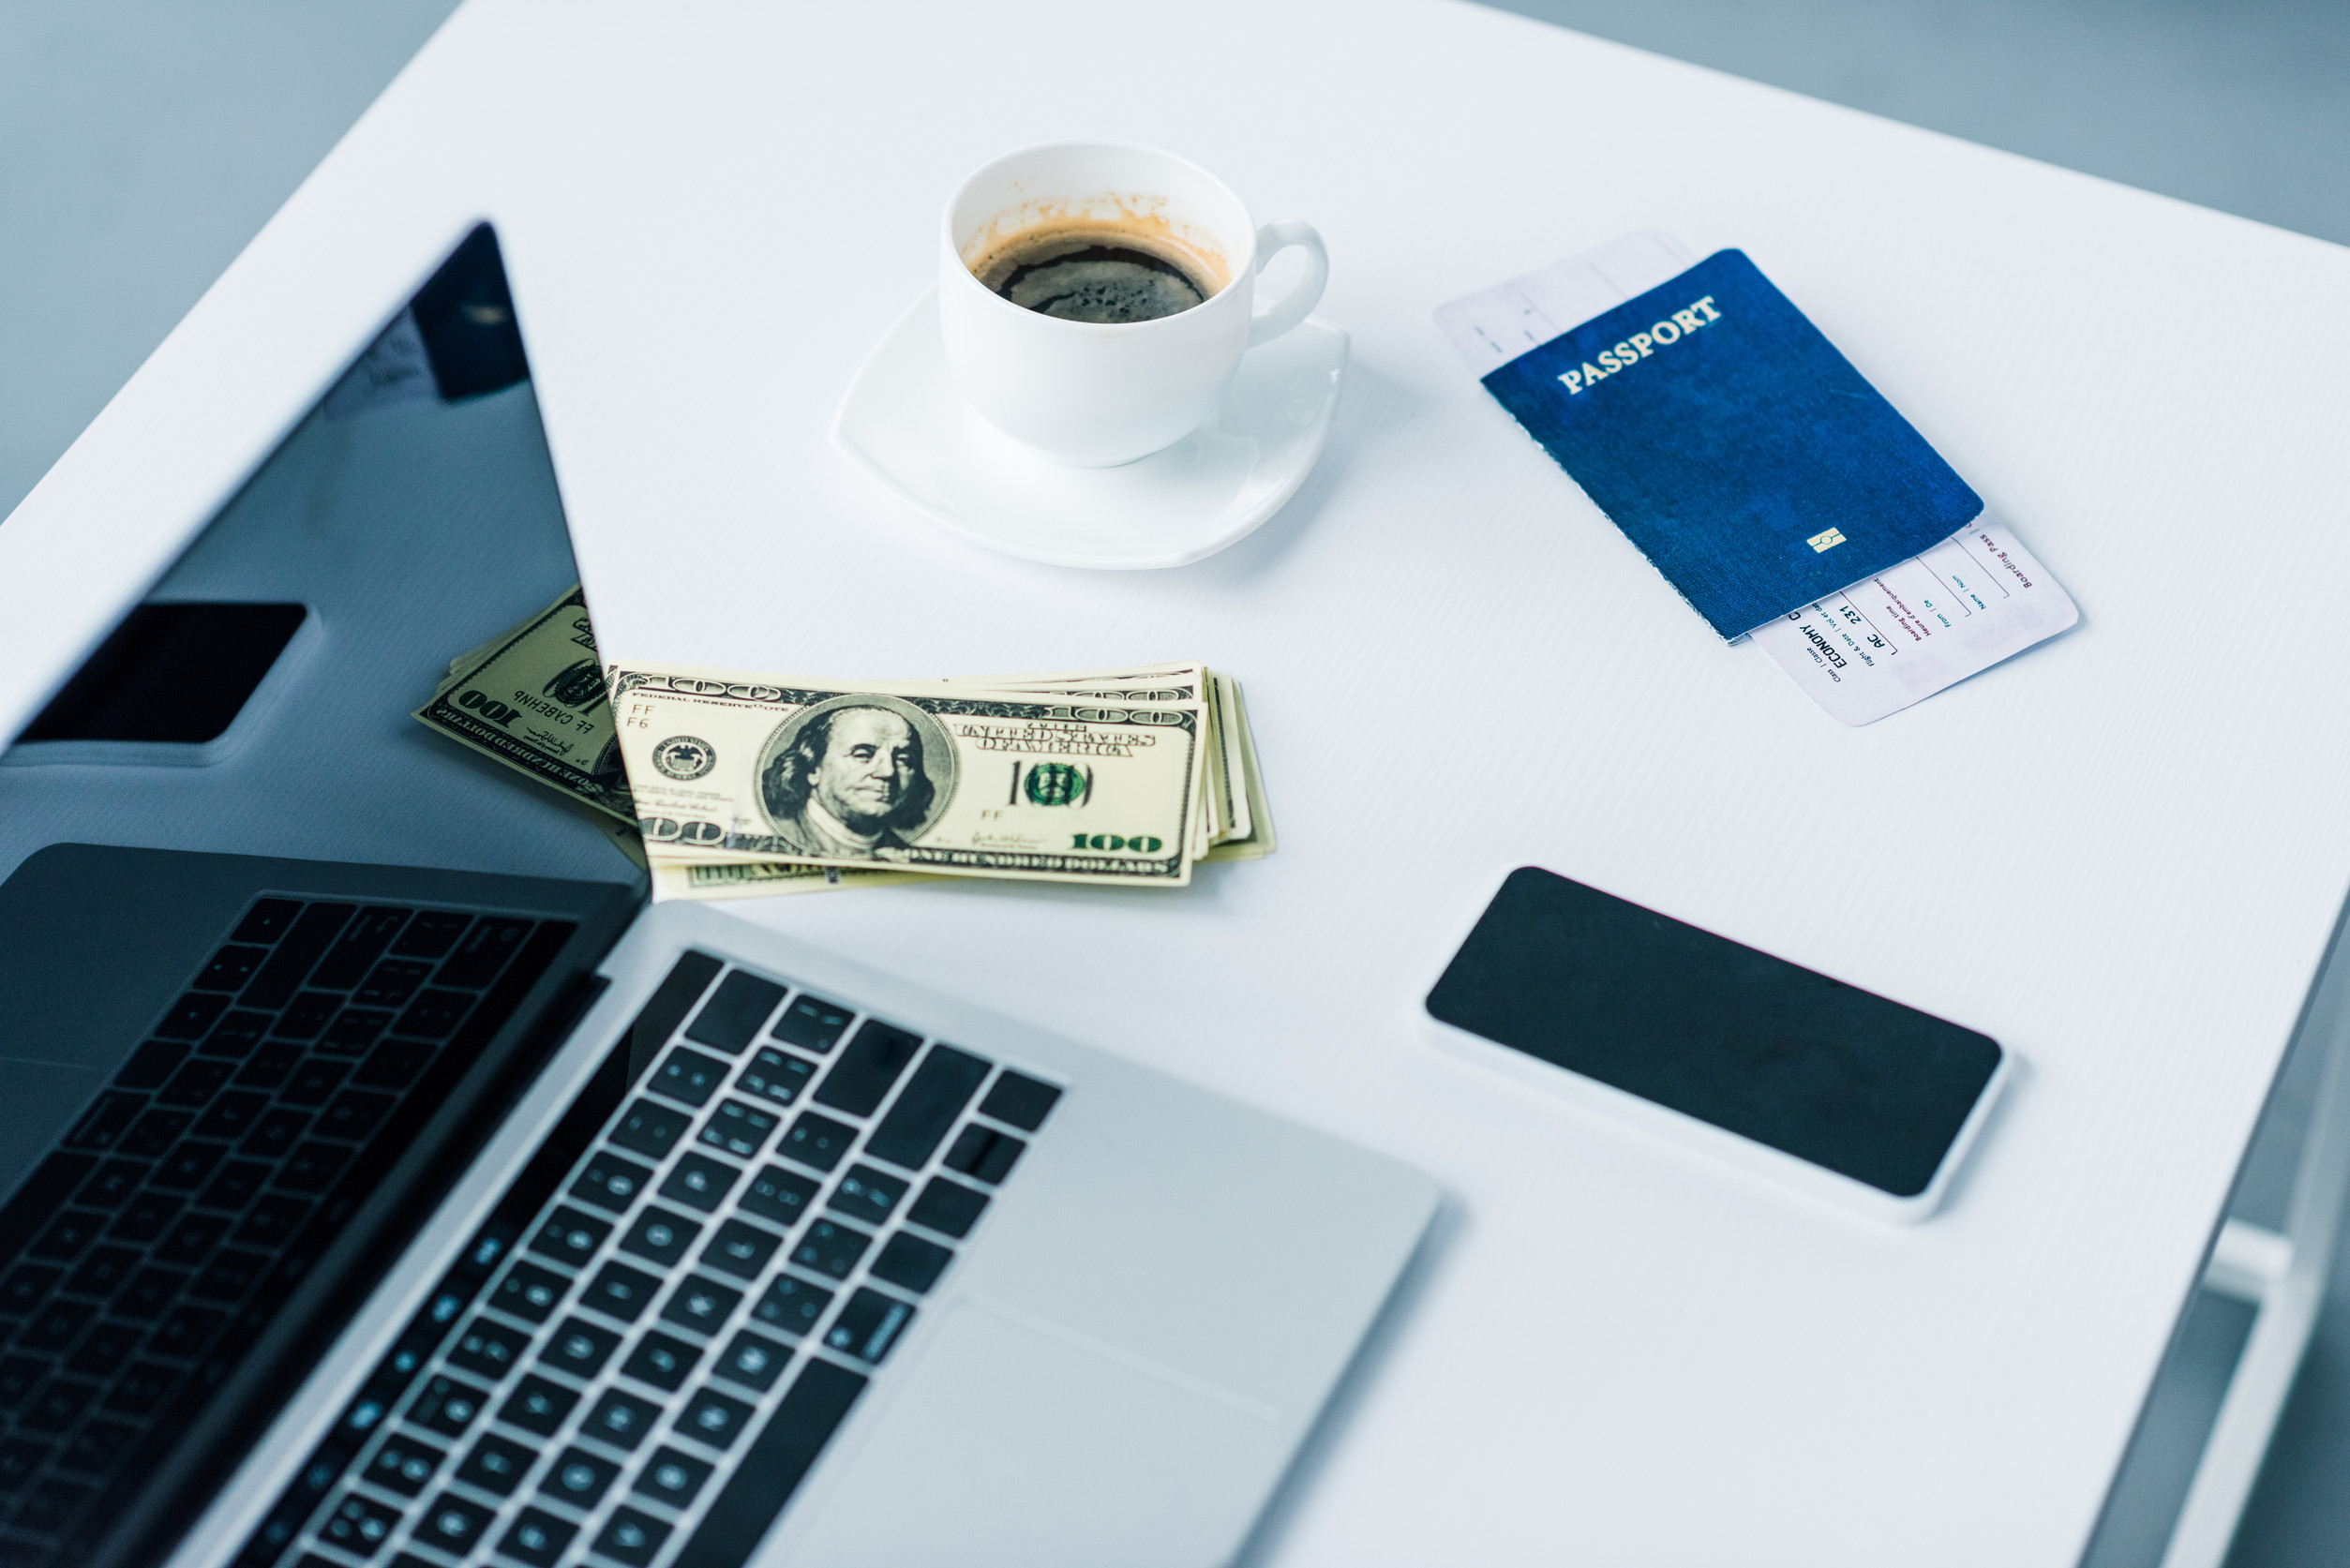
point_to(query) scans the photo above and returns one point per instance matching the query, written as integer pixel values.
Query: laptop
(362, 1210)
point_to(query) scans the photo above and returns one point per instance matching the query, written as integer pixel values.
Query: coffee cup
(1095, 297)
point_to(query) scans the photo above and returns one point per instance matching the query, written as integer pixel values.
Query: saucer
(905, 423)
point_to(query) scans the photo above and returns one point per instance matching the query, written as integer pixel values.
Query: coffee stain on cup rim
(1144, 220)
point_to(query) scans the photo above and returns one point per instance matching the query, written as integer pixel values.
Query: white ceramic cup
(1091, 395)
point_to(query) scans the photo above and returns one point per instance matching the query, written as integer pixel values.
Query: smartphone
(1772, 1068)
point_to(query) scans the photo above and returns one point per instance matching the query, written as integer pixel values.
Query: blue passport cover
(1744, 456)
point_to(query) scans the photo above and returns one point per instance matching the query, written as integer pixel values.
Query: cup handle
(1292, 308)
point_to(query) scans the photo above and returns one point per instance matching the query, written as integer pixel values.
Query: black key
(354, 1030)
(141, 1388)
(359, 1525)
(700, 1182)
(869, 1064)
(59, 1405)
(818, 1140)
(775, 1076)
(490, 1349)
(230, 1277)
(570, 1236)
(869, 1325)
(484, 950)
(270, 1065)
(715, 1418)
(144, 1217)
(623, 1291)
(620, 1419)
(187, 1166)
(151, 1066)
(672, 1477)
(773, 1468)
(19, 1461)
(28, 1284)
(691, 1076)
(910, 1261)
(432, 933)
(739, 1129)
(741, 1250)
(660, 1235)
(753, 1361)
(579, 1347)
(434, 1014)
(55, 1327)
(661, 1361)
(296, 952)
(312, 1167)
(275, 1134)
(271, 1222)
(632, 1539)
(104, 1349)
(538, 1405)
(447, 1406)
(867, 1194)
(403, 1465)
(734, 1012)
(497, 1464)
(235, 1186)
(983, 1154)
(191, 1015)
(314, 1082)
(650, 1128)
(392, 984)
(454, 1525)
(530, 1293)
(700, 1304)
(52, 1508)
(67, 1236)
(19, 1376)
(307, 1015)
(810, 1021)
(395, 1064)
(186, 1332)
(363, 941)
(197, 1082)
(154, 1133)
(235, 1035)
(354, 1114)
(266, 920)
(777, 1194)
(792, 1306)
(233, 1116)
(103, 1124)
(580, 1478)
(612, 1182)
(934, 1097)
(115, 1181)
(96, 1446)
(537, 1538)
(150, 1294)
(831, 1248)
(229, 968)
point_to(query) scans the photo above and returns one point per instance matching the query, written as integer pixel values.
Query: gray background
(142, 142)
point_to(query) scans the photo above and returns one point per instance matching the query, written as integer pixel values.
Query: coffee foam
(1037, 230)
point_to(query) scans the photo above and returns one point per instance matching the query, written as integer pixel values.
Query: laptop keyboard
(145, 1254)
(644, 1349)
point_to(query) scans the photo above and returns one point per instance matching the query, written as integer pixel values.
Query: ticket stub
(1880, 644)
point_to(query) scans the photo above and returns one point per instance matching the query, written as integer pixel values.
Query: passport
(1744, 456)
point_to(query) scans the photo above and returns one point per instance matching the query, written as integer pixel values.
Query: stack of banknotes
(732, 785)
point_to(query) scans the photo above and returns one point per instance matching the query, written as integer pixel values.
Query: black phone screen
(1717, 1030)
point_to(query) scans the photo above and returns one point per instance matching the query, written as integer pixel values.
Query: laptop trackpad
(1013, 1445)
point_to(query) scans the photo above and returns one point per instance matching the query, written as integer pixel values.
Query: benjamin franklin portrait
(856, 778)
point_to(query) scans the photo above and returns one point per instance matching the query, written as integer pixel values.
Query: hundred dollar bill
(1258, 842)
(730, 769)
(765, 879)
(535, 701)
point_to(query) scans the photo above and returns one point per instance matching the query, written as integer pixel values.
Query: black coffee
(1092, 274)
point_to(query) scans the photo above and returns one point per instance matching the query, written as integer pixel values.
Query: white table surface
(2121, 854)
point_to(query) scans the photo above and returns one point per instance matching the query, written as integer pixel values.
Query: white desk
(2123, 854)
